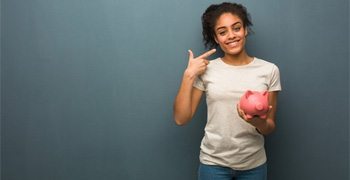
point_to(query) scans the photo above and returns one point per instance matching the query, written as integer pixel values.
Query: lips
(232, 43)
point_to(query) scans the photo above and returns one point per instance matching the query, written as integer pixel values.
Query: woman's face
(230, 33)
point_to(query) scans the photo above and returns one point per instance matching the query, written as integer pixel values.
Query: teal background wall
(87, 88)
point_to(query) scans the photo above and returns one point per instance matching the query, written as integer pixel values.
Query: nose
(231, 34)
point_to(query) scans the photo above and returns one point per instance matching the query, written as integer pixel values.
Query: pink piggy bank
(255, 103)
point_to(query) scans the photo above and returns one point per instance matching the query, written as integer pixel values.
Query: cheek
(243, 34)
(220, 39)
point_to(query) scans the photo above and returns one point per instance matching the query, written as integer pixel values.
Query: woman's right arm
(188, 97)
(186, 101)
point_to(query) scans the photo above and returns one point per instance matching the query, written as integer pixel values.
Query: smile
(233, 43)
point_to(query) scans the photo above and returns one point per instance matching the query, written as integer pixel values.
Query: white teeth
(232, 44)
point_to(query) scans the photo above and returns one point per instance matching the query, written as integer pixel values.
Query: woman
(233, 145)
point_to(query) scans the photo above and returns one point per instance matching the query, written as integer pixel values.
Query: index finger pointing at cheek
(207, 54)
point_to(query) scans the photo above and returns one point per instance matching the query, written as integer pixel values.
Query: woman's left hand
(267, 125)
(255, 120)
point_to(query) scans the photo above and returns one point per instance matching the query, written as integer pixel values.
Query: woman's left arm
(264, 126)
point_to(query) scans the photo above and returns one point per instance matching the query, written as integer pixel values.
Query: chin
(234, 51)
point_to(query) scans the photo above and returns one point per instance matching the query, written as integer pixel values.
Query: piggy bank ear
(266, 94)
(248, 93)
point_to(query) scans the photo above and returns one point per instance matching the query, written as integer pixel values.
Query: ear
(265, 93)
(248, 93)
(245, 31)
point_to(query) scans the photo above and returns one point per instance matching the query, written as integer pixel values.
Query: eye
(236, 29)
(222, 33)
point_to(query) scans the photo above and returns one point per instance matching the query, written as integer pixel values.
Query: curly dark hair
(213, 12)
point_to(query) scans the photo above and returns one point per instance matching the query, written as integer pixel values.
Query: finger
(190, 54)
(240, 112)
(206, 62)
(269, 110)
(245, 117)
(239, 109)
(207, 54)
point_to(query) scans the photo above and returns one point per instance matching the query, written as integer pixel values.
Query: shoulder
(215, 64)
(214, 67)
(265, 63)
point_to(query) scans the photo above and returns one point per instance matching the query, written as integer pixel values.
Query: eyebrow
(224, 26)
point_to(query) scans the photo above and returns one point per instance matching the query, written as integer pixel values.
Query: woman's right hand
(197, 66)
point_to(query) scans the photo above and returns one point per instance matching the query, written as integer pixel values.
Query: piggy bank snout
(259, 106)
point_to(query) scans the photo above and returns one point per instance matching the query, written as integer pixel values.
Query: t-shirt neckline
(240, 66)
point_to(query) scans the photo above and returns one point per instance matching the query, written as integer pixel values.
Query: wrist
(262, 128)
(265, 127)
(189, 74)
(261, 125)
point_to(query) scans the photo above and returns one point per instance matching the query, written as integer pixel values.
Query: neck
(237, 59)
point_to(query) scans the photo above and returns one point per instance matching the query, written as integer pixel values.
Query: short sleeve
(199, 84)
(275, 82)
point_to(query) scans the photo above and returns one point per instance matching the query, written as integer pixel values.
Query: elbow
(179, 117)
(179, 122)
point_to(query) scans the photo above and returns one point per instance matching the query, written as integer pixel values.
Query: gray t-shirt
(228, 140)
